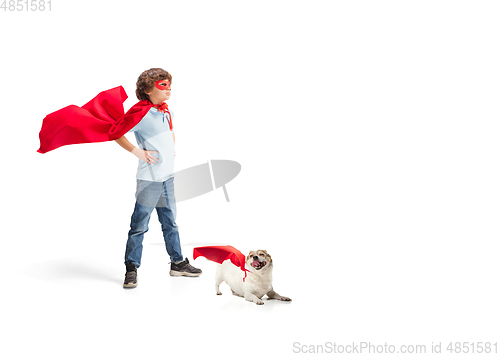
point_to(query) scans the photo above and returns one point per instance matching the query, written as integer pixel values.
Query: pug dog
(258, 281)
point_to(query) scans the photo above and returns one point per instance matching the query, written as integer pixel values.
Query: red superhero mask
(163, 84)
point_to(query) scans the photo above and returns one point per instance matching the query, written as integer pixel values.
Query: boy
(155, 181)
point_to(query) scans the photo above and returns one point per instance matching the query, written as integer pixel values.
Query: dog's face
(259, 259)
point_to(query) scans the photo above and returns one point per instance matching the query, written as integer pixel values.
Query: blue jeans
(151, 195)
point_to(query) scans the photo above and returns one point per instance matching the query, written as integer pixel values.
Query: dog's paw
(259, 302)
(219, 293)
(284, 298)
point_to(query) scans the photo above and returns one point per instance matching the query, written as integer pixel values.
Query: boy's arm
(141, 154)
(124, 143)
(173, 136)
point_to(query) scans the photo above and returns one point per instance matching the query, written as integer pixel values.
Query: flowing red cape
(101, 119)
(220, 253)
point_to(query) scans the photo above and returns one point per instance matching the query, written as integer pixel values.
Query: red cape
(220, 253)
(101, 119)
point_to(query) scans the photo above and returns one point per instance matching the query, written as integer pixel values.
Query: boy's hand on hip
(145, 155)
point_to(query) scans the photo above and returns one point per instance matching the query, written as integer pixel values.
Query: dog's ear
(249, 254)
(268, 256)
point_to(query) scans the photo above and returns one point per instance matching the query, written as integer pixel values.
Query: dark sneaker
(184, 269)
(130, 277)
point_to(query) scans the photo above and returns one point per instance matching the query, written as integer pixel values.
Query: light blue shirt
(153, 133)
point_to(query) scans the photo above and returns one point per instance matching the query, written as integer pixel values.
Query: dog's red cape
(101, 119)
(220, 253)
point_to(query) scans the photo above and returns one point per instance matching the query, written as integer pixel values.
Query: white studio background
(367, 132)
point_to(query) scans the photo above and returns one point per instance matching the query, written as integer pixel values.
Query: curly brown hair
(147, 79)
